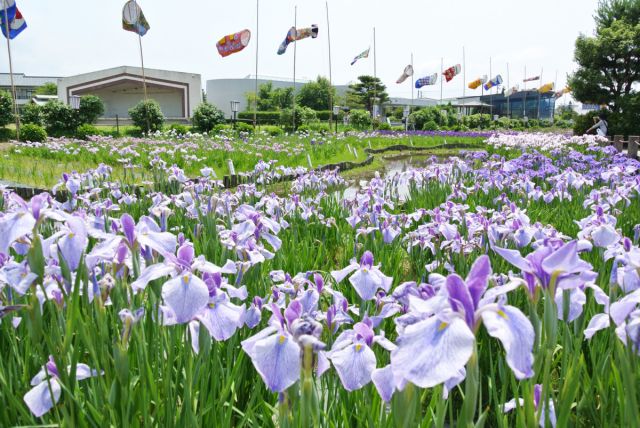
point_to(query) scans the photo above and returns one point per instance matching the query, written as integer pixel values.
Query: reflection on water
(392, 165)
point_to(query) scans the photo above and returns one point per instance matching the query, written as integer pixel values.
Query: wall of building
(118, 102)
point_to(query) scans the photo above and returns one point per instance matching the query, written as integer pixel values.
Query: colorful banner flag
(478, 82)
(9, 14)
(496, 81)
(133, 19)
(546, 88)
(531, 79)
(293, 35)
(233, 43)
(408, 72)
(427, 81)
(451, 72)
(562, 92)
(364, 54)
(511, 91)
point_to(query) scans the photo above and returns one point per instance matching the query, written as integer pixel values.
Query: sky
(70, 37)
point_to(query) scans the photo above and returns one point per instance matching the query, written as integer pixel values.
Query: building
(25, 85)
(121, 88)
(220, 92)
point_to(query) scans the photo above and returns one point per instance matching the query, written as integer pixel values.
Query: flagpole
(490, 90)
(13, 86)
(330, 69)
(255, 98)
(464, 74)
(441, 77)
(144, 77)
(411, 84)
(509, 97)
(539, 94)
(375, 75)
(295, 50)
(524, 102)
(555, 88)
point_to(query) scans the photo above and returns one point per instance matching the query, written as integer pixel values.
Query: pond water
(392, 165)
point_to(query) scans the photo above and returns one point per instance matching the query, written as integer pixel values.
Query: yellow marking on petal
(442, 326)
(282, 339)
(185, 278)
(503, 314)
(71, 235)
(358, 347)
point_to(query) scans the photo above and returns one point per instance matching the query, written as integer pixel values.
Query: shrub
(7, 134)
(360, 119)
(263, 117)
(274, 131)
(32, 113)
(206, 116)
(6, 108)
(147, 116)
(87, 130)
(59, 118)
(430, 126)
(91, 108)
(304, 116)
(244, 127)
(32, 132)
(179, 129)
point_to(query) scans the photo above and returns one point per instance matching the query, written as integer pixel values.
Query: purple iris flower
(537, 397)
(276, 350)
(436, 349)
(367, 279)
(22, 220)
(353, 357)
(40, 399)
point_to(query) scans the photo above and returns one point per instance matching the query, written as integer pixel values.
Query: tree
(6, 108)
(360, 119)
(60, 119)
(362, 93)
(270, 99)
(91, 108)
(32, 113)
(609, 62)
(48, 88)
(206, 116)
(147, 116)
(317, 95)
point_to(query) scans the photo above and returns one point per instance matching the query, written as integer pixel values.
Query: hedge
(273, 117)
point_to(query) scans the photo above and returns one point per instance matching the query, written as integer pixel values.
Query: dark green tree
(60, 119)
(147, 116)
(32, 113)
(609, 62)
(48, 88)
(91, 108)
(362, 93)
(6, 108)
(317, 95)
(206, 116)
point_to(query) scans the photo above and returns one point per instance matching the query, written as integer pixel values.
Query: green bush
(147, 116)
(91, 108)
(32, 113)
(360, 119)
(6, 108)
(384, 126)
(304, 116)
(60, 119)
(87, 130)
(179, 129)
(7, 134)
(244, 127)
(274, 131)
(324, 115)
(263, 117)
(430, 126)
(32, 132)
(206, 116)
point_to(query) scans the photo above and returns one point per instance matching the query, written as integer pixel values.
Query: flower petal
(431, 351)
(40, 400)
(354, 365)
(277, 360)
(186, 295)
(515, 331)
(384, 382)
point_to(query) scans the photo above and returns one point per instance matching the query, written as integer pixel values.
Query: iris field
(499, 287)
